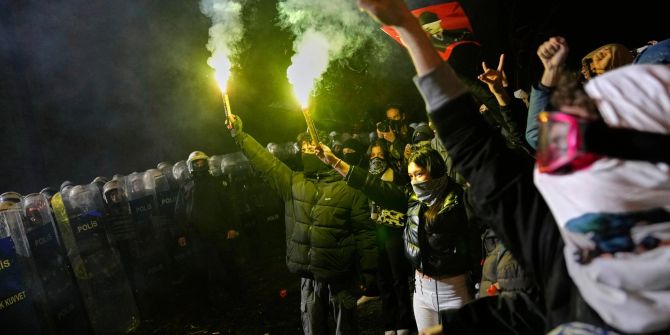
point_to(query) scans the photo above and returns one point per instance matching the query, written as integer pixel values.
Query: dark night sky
(92, 87)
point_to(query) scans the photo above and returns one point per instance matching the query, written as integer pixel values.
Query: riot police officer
(207, 223)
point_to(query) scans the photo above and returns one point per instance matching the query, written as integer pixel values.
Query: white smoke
(326, 31)
(225, 34)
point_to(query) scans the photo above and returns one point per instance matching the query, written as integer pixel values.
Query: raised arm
(552, 53)
(395, 13)
(385, 193)
(274, 171)
(501, 178)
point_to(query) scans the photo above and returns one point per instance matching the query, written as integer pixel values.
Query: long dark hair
(432, 161)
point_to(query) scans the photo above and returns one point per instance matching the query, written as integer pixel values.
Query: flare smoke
(325, 31)
(224, 35)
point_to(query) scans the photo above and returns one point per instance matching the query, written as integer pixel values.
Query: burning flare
(221, 65)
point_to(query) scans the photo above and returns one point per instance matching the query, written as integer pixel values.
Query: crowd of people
(460, 224)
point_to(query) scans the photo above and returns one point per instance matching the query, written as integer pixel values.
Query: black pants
(393, 279)
(216, 272)
(319, 299)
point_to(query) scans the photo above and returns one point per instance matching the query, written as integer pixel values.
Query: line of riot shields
(102, 258)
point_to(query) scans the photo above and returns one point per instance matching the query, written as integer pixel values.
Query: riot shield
(215, 165)
(166, 169)
(235, 165)
(100, 277)
(21, 311)
(252, 198)
(158, 184)
(151, 279)
(64, 304)
(180, 172)
(120, 224)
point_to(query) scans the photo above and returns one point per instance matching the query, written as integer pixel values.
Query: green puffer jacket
(329, 234)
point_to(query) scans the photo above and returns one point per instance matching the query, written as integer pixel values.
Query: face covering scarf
(428, 191)
(615, 215)
(377, 166)
(312, 164)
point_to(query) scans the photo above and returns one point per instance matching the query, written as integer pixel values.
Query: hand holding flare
(326, 155)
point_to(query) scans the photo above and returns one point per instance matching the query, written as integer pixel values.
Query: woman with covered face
(393, 269)
(436, 229)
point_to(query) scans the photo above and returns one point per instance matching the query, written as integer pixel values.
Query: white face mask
(615, 215)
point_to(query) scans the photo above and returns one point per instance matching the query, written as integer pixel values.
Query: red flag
(445, 21)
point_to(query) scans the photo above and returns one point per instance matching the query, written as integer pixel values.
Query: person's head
(377, 150)
(605, 58)
(559, 146)
(430, 23)
(377, 154)
(36, 208)
(311, 164)
(394, 114)
(570, 97)
(198, 164)
(422, 133)
(353, 152)
(9, 200)
(613, 215)
(112, 192)
(425, 164)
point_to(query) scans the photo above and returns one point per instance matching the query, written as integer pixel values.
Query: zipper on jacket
(311, 221)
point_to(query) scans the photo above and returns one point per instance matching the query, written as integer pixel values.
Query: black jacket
(329, 234)
(204, 208)
(436, 251)
(506, 197)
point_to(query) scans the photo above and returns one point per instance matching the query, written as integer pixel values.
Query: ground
(262, 264)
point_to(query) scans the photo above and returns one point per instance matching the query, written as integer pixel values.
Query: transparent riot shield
(65, 306)
(164, 219)
(159, 186)
(293, 159)
(139, 198)
(235, 165)
(100, 277)
(21, 296)
(215, 165)
(166, 169)
(151, 279)
(180, 172)
(119, 221)
(120, 226)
